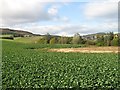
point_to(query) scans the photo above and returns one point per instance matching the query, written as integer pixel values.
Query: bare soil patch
(88, 50)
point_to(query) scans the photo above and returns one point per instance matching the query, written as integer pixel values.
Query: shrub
(42, 41)
(11, 38)
(53, 40)
(114, 42)
(89, 42)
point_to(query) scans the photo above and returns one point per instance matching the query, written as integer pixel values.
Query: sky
(60, 17)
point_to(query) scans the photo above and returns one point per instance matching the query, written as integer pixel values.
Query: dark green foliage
(11, 38)
(48, 37)
(63, 40)
(111, 36)
(28, 68)
(108, 40)
(90, 42)
(115, 42)
(53, 40)
(69, 40)
(42, 41)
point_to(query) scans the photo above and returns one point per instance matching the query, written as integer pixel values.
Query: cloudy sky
(60, 17)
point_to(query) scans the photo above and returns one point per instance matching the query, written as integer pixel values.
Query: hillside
(6, 31)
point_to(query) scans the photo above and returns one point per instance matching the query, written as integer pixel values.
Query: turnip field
(32, 66)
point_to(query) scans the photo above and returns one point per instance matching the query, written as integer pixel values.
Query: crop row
(23, 68)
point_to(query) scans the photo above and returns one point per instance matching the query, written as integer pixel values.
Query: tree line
(102, 40)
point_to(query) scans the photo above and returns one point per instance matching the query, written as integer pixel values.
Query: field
(26, 65)
(94, 49)
(34, 39)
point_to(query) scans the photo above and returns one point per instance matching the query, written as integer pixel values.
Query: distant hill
(21, 33)
(6, 31)
(93, 36)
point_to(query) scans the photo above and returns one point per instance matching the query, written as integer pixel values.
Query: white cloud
(62, 19)
(53, 10)
(104, 0)
(22, 11)
(105, 11)
(70, 29)
(13, 12)
(67, 1)
(65, 19)
(101, 10)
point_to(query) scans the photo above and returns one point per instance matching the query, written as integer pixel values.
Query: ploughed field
(88, 50)
(25, 67)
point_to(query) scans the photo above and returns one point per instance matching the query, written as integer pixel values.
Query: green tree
(69, 40)
(53, 40)
(100, 41)
(110, 38)
(42, 41)
(77, 39)
(48, 37)
(115, 42)
(63, 40)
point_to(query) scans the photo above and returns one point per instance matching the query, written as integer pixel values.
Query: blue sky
(65, 17)
(73, 11)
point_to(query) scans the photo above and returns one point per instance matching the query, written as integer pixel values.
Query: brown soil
(88, 50)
